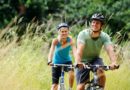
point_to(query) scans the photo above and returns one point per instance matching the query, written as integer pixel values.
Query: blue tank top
(62, 54)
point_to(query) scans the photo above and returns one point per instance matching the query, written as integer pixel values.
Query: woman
(60, 54)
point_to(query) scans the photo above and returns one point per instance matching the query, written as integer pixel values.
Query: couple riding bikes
(89, 44)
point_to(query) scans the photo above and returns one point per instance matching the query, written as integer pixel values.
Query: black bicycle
(93, 83)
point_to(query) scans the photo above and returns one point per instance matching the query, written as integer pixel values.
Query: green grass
(118, 79)
(24, 68)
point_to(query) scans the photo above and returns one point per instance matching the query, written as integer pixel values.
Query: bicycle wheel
(93, 88)
(61, 87)
(88, 88)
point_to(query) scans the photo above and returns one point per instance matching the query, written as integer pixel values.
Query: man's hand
(80, 65)
(114, 66)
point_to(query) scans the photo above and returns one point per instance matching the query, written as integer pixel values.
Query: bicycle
(93, 83)
(61, 85)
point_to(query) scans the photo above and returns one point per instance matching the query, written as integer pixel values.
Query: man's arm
(79, 54)
(80, 47)
(111, 54)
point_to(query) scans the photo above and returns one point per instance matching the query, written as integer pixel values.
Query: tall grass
(119, 79)
(24, 67)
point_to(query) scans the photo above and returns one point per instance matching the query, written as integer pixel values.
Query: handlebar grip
(48, 63)
(117, 66)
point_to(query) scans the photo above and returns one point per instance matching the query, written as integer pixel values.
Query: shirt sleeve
(81, 38)
(107, 40)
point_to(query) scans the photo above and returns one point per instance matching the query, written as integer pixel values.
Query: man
(89, 45)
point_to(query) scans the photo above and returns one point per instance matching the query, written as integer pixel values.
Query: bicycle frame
(61, 84)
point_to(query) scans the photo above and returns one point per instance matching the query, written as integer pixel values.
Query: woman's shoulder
(71, 40)
(55, 41)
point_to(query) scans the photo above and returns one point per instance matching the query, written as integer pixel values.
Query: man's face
(96, 25)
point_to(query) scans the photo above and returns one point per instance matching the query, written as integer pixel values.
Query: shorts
(82, 75)
(56, 72)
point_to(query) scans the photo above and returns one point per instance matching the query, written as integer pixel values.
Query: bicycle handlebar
(62, 65)
(104, 67)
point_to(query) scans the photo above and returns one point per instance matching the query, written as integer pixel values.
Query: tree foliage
(117, 12)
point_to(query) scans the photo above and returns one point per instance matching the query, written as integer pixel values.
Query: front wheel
(93, 88)
(88, 88)
(61, 87)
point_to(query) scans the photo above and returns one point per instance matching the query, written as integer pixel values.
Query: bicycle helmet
(62, 25)
(98, 16)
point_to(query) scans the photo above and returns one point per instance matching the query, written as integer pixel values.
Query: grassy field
(23, 67)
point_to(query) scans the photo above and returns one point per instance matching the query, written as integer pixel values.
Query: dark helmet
(62, 25)
(99, 17)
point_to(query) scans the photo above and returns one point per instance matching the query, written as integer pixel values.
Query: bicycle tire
(61, 87)
(93, 88)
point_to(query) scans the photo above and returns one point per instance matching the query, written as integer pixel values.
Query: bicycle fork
(61, 84)
(95, 81)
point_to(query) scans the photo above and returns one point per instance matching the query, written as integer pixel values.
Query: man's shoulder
(104, 34)
(83, 35)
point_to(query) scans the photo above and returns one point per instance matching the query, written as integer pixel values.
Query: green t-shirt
(92, 47)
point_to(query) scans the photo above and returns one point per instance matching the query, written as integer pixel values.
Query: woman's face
(63, 32)
(96, 25)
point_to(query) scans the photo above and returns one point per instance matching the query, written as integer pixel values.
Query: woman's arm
(51, 52)
(73, 47)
